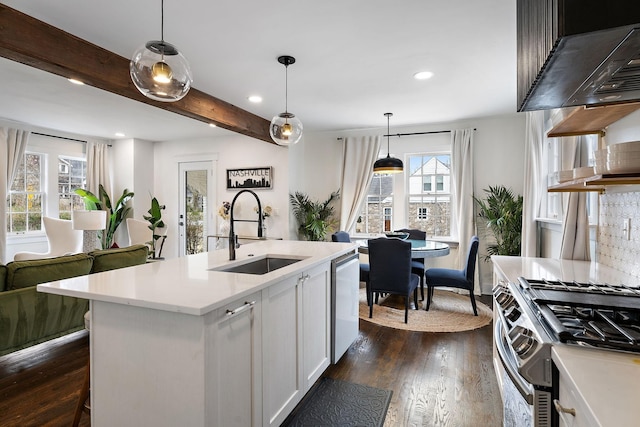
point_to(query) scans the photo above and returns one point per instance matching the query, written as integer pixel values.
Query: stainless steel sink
(260, 266)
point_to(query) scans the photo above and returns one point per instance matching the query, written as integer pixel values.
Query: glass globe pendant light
(388, 164)
(159, 70)
(286, 128)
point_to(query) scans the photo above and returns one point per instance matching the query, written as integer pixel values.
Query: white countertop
(607, 381)
(187, 284)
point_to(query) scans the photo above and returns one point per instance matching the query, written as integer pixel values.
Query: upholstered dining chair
(450, 278)
(390, 272)
(417, 264)
(343, 236)
(62, 239)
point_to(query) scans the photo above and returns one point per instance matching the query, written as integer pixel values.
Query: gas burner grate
(583, 287)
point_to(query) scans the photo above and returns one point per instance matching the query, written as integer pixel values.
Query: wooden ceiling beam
(35, 43)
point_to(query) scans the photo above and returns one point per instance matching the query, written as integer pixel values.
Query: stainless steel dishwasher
(345, 283)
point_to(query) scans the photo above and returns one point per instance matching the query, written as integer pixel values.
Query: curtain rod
(63, 137)
(419, 133)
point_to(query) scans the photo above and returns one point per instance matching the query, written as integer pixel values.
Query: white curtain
(463, 205)
(575, 233)
(534, 180)
(359, 155)
(13, 144)
(98, 167)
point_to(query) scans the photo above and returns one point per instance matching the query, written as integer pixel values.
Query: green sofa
(29, 317)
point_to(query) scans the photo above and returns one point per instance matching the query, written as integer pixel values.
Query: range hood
(578, 52)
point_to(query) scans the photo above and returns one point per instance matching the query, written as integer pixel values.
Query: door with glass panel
(197, 184)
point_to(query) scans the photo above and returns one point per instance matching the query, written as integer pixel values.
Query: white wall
(232, 152)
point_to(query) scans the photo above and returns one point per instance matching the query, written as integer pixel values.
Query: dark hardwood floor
(438, 379)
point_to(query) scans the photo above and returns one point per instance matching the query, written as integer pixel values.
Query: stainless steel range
(533, 315)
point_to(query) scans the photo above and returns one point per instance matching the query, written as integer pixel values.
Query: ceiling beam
(35, 43)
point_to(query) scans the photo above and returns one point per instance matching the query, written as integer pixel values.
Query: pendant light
(159, 70)
(286, 128)
(388, 164)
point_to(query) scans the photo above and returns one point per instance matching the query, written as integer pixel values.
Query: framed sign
(249, 178)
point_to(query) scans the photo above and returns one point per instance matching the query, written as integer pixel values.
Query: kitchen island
(182, 342)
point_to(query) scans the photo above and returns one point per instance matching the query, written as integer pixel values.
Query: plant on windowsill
(155, 223)
(502, 212)
(115, 214)
(315, 219)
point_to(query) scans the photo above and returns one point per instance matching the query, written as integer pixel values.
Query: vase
(223, 234)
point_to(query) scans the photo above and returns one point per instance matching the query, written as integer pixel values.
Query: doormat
(340, 403)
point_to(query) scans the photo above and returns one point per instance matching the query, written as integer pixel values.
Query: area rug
(449, 312)
(340, 403)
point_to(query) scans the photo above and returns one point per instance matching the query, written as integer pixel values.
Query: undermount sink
(260, 266)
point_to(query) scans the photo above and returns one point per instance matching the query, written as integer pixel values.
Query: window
(25, 199)
(376, 215)
(429, 193)
(72, 174)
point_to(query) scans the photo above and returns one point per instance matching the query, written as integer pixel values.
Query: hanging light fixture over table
(159, 70)
(286, 128)
(388, 164)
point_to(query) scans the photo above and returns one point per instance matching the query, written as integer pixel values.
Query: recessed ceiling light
(423, 75)
(255, 99)
(76, 81)
(119, 134)
(213, 125)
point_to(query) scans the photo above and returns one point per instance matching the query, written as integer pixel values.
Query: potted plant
(314, 218)
(115, 214)
(155, 222)
(502, 212)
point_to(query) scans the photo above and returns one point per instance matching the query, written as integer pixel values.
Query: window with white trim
(72, 173)
(25, 199)
(376, 215)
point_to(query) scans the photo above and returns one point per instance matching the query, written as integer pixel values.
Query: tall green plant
(502, 211)
(314, 218)
(155, 221)
(115, 214)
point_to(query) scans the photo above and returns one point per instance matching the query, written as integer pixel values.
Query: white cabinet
(572, 410)
(296, 340)
(238, 364)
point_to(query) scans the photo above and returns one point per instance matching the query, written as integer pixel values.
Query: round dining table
(419, 248)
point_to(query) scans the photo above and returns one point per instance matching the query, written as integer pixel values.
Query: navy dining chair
(417, 264)
(390, 272)
(450, 278)
(343, 236)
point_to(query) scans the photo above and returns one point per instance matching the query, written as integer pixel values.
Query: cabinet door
(282, 336)
(237, 391)
(316, 324)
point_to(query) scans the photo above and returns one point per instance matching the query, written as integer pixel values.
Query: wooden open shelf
(591, 120)
(596, 183)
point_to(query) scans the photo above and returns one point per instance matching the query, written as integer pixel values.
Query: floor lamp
(90, 222)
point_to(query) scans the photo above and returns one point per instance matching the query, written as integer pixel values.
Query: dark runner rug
(339, 403)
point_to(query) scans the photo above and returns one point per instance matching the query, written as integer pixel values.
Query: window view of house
(429, 194)
(71, 175)
(377, 213)
(24, 201)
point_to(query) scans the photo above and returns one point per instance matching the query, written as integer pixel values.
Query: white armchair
(62, 239)
(140, 234)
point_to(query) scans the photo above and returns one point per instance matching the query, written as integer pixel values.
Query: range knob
(513, 313)
(523, 344)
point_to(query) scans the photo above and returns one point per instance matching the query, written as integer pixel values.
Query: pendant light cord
(162, 22)
(286, 89)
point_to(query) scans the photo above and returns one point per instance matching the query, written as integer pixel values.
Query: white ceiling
(355, 60)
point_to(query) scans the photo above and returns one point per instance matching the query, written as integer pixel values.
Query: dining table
(419, 248)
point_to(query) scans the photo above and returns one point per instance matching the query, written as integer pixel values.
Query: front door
(196, 195)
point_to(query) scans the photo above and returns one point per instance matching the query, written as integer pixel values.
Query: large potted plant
(156, 225)
(502, 212)
(314, 218)
(115, 214)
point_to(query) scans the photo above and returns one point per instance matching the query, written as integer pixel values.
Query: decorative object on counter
(450, 312)
(115, 214)
(286, 128)
(334, 402)
(315, 219)
(157, 227)
(159, 71)
(223, 227)
(266, 213)
(249, 178)
(89, 222)
(388, 164)
(502, 212)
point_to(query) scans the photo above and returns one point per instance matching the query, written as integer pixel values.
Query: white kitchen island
(177, 342)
